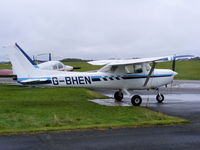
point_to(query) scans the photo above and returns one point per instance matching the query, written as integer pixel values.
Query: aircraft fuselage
(159, 78)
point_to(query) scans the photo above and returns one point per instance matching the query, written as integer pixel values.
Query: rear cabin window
(55, 67)
(133, 68)
(109, 69)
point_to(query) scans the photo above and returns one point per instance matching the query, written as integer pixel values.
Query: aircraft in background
(45, 65)
(122, 75)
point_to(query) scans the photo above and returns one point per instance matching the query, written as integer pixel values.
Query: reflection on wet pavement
(169, 98)
(181, 91)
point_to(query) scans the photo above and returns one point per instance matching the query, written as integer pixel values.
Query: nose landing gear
(160, 98)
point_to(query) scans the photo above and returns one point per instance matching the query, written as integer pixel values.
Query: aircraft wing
(140, 60)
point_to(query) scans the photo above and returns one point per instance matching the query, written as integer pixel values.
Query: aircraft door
(134, 69)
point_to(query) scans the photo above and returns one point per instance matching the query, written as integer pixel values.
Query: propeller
(49, 56)
(174, 63)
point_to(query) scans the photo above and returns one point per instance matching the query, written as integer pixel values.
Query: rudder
(23, 65)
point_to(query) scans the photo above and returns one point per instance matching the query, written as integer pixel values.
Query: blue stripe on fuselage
(98, 78)
(21, 79)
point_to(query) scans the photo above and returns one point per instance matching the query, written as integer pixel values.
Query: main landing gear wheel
(160, 98)
(136, 100)
(118, 96)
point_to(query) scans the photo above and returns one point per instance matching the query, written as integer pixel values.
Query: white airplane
(55, 65)
(48, 65)
(122, 75)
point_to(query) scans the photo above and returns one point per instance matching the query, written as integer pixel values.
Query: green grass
(189, 70)
(5, 66)
(25, 109)
(84, 66)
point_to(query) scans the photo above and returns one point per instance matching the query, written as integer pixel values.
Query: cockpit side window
(133, 68)
(109, 69)
(55, 67)
(138, 68)
(113, 69)
(60, 66)
(129, 68)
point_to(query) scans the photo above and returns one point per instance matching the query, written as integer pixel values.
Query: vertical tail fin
(23, 65)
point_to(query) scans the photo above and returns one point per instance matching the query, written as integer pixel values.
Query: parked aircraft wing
(142, 60)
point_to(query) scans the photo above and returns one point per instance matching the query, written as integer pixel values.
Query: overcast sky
(101, 29)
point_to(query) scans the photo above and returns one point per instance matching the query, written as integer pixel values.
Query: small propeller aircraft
(52, 64)
(44, 65)
(122, 75)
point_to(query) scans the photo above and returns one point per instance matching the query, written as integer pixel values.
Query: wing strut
(150, 73)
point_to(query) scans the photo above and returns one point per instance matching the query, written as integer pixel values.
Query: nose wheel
(160, 98)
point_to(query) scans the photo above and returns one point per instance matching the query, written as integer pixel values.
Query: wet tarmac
(182, 100)
(180, 91)
(149, 101)
(7, 81)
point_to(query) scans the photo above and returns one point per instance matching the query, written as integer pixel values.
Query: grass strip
(26, 109)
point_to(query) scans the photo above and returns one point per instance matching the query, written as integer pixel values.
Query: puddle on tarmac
(169, 98)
